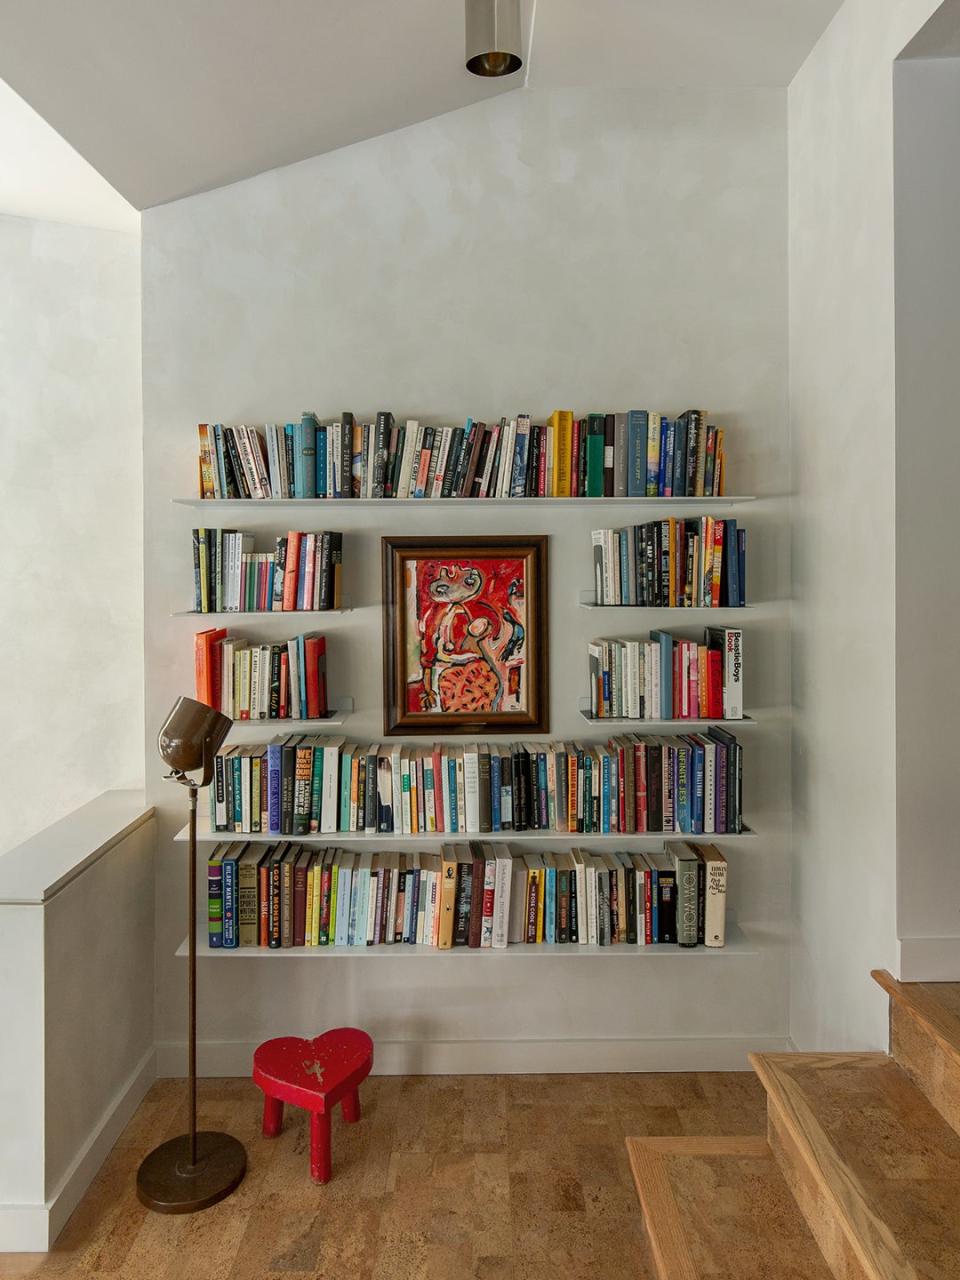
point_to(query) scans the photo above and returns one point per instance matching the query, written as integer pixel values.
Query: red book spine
(284, 685)
(622, 787)
(438, 789)
(315, 647)
(714, 684)
(423, 470)
(291, 571)
(676, 687)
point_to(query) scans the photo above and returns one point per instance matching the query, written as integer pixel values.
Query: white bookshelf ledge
(387, 841)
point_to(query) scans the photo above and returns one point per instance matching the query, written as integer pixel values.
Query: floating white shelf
(263, 613)
(333, 719)
(588, 600)
(666, 726)
(264, 504)
(392, 840)
(738, 944)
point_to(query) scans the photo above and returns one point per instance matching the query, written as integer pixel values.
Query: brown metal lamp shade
(191, 736)
(197, 1169)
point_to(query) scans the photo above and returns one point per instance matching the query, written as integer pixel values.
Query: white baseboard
(28, 1228)
(930, 959)
(504, 1057)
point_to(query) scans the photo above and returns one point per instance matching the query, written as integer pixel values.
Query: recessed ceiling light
(493, 37)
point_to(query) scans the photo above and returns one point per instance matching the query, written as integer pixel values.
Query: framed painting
(465, 635)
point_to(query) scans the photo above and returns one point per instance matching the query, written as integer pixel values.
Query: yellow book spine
(448, 898)
(308, 940)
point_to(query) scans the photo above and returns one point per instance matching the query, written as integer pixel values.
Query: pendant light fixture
(493, 37)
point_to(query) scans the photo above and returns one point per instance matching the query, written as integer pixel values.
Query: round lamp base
(167, 1183)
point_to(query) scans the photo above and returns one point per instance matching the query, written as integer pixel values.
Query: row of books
(468, 895)
(303, 571)
(249, 681)
(635, 454)
(668, 678)
(296, 785)
(676, 564)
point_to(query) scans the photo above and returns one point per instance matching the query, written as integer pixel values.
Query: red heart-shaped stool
(314, 1074)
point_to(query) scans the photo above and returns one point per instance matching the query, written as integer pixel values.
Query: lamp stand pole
(195, 1170)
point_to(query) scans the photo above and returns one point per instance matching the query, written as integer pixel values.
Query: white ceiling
(166, 99)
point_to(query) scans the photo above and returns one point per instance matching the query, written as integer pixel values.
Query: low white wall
(76, 1007)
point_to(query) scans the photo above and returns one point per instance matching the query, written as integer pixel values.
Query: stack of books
(666, 678)
(467, 895)
(673, 564)
(249, 681)
(636, 454)
(303, 571)
(689, 784)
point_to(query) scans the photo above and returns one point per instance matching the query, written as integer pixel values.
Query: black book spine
(665, 563)
(274, 711)
(533, 462)
(701, 901)
(486, 818)
(609, 444)
(667, 906)
(463, 460)
(288, 450)
(380, 443)
(346, 456)
(273, 919)
(287, 775)
(336, 568)
(398, 436)
(481, 463)
(234, 456)
(519, 792)
(693, 418)
(574, 908)
(370, 794)
(454, 455)
(461, 928)
(630, 880)
(325, 592)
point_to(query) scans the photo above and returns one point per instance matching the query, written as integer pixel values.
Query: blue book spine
(668, 461)
(550, 906)
(662, 475)
(637, 453)
(683, 790)
(308, 451)
(665, 640)
(698, 785)
(623, 543)
(230, 902)
(605, 793)
(320, 468)
(452, 779)
(496, 776)
(218, 448)
(742, 566)
(273, 788)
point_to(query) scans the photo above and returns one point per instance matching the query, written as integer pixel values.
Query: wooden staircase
(858, 1176)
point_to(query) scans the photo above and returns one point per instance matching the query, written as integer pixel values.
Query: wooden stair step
(870, 1162)
(719, 1207)
(925, 1038)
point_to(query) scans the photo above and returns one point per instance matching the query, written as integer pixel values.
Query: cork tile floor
(446, 1177)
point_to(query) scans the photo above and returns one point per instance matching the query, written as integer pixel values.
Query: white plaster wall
(927, 109)
(579, 248)
(842, 395)
(71, 611)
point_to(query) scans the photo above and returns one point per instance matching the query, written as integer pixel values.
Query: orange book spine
(718, 528)
(291, 571)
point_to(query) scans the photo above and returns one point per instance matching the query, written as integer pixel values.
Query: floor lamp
(195, 1170)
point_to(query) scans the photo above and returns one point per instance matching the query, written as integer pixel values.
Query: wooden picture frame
(465, 635)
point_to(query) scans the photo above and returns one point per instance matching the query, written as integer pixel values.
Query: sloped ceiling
(172, 97)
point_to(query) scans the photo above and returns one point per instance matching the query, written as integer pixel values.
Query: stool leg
(351, 1107)
(319, 1146)
(272, 1116)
